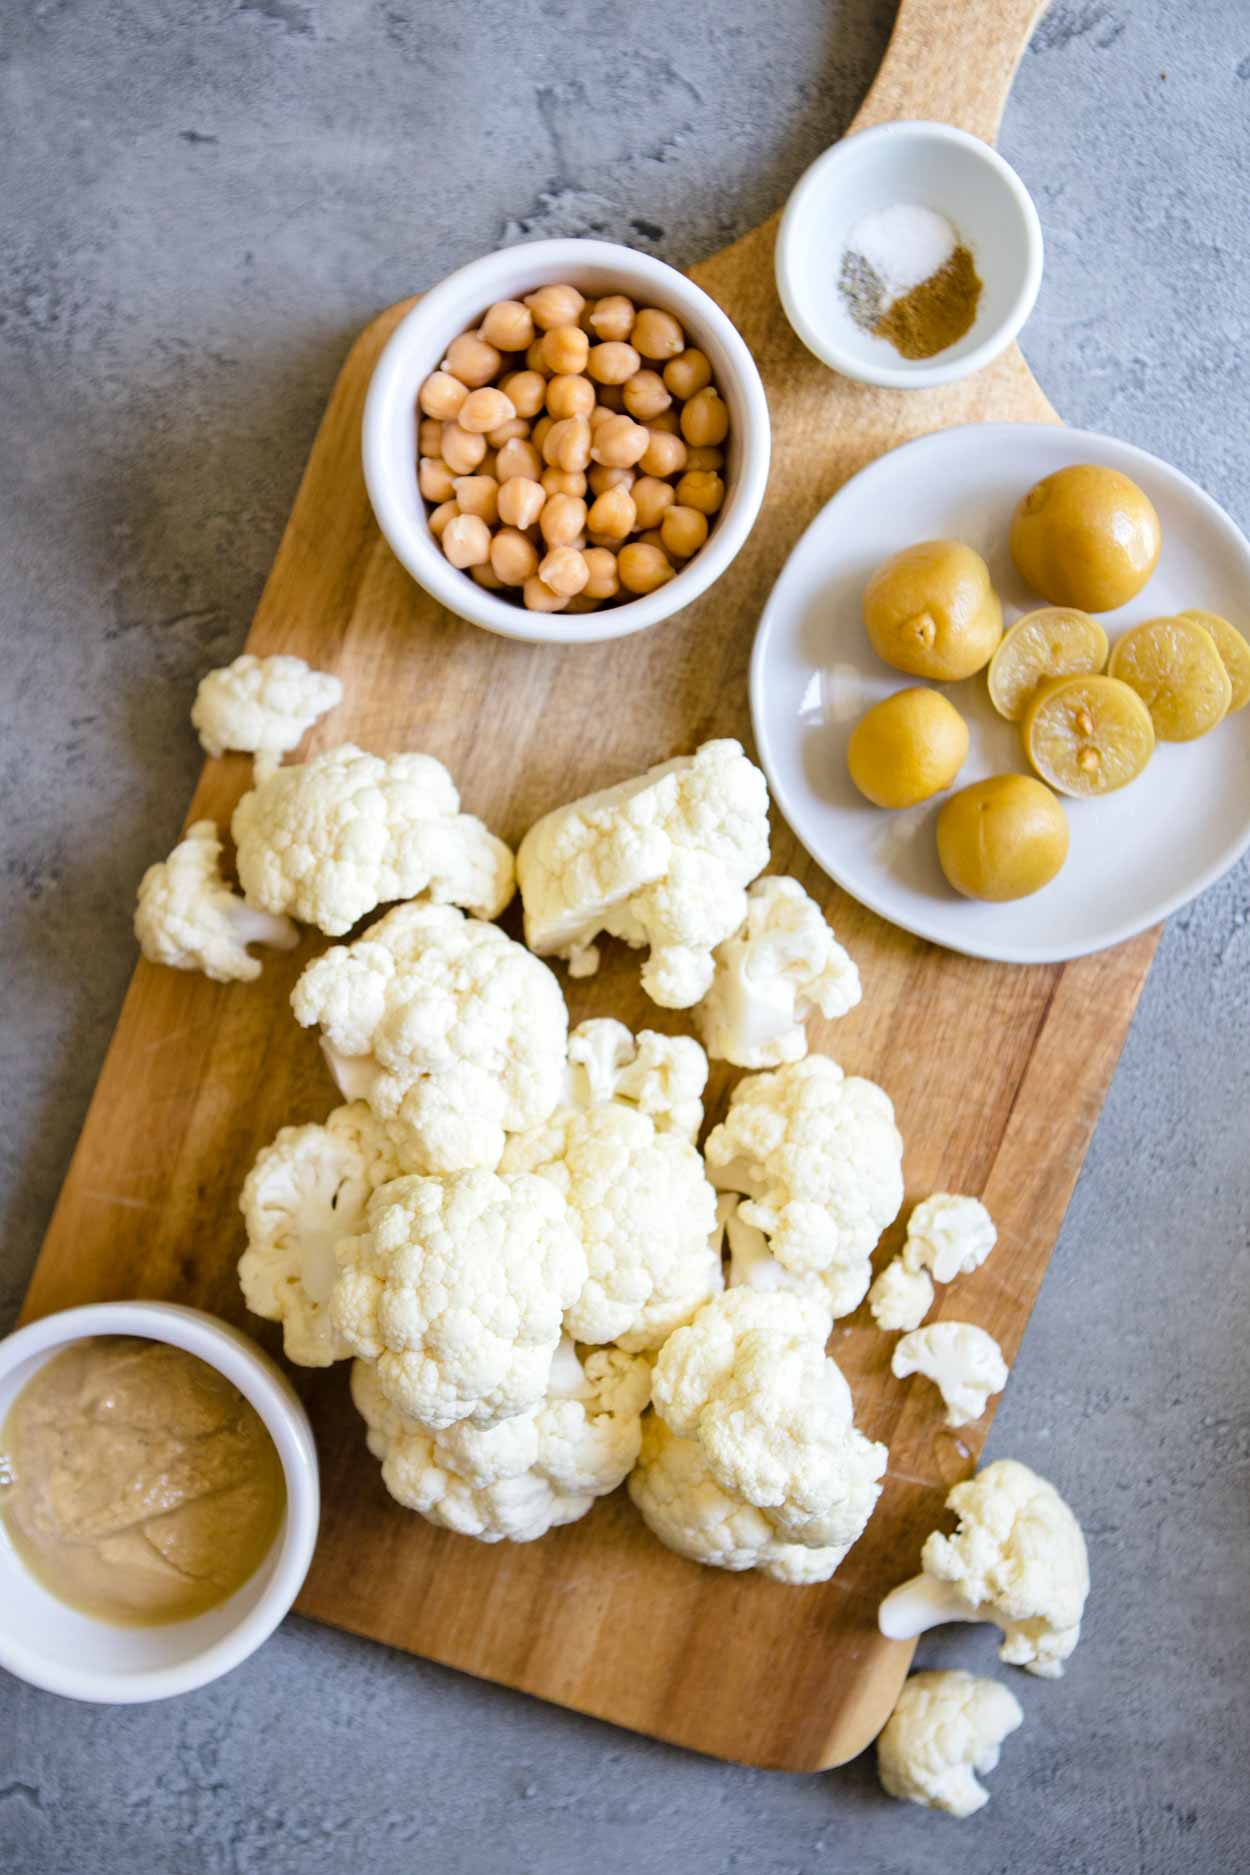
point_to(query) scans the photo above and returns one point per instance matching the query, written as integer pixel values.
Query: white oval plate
(1136, 855)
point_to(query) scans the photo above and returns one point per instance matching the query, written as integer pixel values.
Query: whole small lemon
(1087, 537)
(908, 747)
(931, 611)
(1002, 838)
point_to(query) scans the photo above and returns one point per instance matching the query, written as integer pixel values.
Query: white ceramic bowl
(51, 1645)
(421, 339)
(934, 166)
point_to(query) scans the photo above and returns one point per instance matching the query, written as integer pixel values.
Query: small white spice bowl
(933, 166)
(420, 340)
(53, 1646)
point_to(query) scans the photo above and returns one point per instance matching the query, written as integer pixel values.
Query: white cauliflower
(771, 974)
(900, 1298)
(945, 1728)
(661, 861)
(1017, 1559)
(446, 1026)
(331, 839)
(307, 1189)
(818, 1158)
(456, 1288)
(662, 1076)
(949, 1236)
(263, 706)
(528, 1474)
(188, 918)
(964, 1363)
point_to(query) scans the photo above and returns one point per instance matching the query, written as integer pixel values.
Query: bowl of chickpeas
(566, 442)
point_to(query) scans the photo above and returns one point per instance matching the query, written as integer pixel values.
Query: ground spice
(936, 313)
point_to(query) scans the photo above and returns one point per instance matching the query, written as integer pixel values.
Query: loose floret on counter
(949, 1236)
(262, 706)
(662, 1076)
(779, 968)
(900, 1298)
(945, 1728)
(964, 1363)
(188, 917)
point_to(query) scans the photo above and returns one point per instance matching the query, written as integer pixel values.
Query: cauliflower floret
(306, 1190)
(456, 1288)
(900, 1298)
(188, 918)
(331, 839)
(949, 1236)
(945, 1728)
(660, 861)
(770, 975)
(523, 1477)
(263, 706)
(662, 1075)
(446, 1026)
(964, 1363)
(818, 1157)
(1017, 1559)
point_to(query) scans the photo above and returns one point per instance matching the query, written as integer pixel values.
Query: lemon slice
(1088, 735)
(1234, 650)
(1178, 673)
(1058, 641)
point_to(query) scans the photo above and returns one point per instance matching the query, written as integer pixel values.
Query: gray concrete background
(200, 202)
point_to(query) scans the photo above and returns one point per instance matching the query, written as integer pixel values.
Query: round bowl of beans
(566, 442)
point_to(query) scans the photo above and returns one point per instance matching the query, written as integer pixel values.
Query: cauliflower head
(964, 1363)
(456, 1288)
(663, 1076)
(188, 918)
(446, 1026)
(661, 861)
(307, 1189)
(945, 1728)
(779, 967)
(331, 839)
(817, 1157)
(263, 706)
(949, 1236)
(900, 1298)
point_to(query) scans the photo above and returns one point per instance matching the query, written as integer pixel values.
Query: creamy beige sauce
(138, 1484)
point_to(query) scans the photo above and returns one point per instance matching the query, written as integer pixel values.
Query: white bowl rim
(922, 375)
(264, 1385)
(418, 552)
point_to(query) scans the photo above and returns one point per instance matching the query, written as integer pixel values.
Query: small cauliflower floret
(662, 1076)
(945, 1728)
(331, 839)
(446, 1026)
(949, 1236)
(900, 1298)
(188, 918)
(818, 1159)
(964, 1363)
(306, 1190)
(516, 1480)
(662, 861)
(1017, 1559)
(456, 1288)
(263, 706)
(783, 964)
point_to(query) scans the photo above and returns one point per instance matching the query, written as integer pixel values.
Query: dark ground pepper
(937, 312)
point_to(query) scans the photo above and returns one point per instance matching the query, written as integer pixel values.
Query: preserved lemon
(1234, 650)
(1086, 536)
(1055, 642)
(1177, 671)
(908, 747)
(932, 612)
(1088, 735)
(1002, 838)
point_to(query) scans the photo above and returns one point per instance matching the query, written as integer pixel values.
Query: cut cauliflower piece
(779, 967)
(964, 1363)
(448, 1028)
(331, 839)
(516, 1480)
(263, 706)
(1017, 1559)
(945, 1728)
(188, 918)
(900, 1298)
(949, 1236)
(661, 861)
(662, 1076)
(456, 1288)
(818, 1159)
(307, 1189)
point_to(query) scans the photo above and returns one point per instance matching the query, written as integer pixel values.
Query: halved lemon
(1088, 735)
(1058, 641)
(1234, 650)
(1175, 667)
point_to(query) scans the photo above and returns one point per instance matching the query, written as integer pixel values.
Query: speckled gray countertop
(203, 200)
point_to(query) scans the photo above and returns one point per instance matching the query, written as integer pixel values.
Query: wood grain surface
(997, 1073)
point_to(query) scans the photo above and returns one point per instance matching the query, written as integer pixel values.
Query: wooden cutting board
(997, 1073)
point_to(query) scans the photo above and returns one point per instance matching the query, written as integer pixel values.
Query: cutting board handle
(951, 61)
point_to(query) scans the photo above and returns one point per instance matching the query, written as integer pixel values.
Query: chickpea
(564, 482)
(478, 494)
(570, 396)
(642, 567)
(613, 318)
(567, 444)
(513, 557)
(489, 464)
(602, 581)
(466, 540)
(540, 598)
(484, 410)
(566, 348)
(562, 520)
(705, 419)
(486, 576)
(584, 318)
(688, 373)
(515, 430)
(620, 443)
(554, 306)
(701, 489)
(657, 334)
(526, 389)
(429, 437)
(508, 325)
(645, 396)
(613, 363)
(442, 395)
(665, 454)
(564, 570)
(518, 456)
(651, 498)
(705, 458)
(651, 538)
(600, 414)
(539, 433)
(613, 516)
(472, 360)
(521, 501)
(462, 451)
(602, 478)
(439, 518)
(683, 531)
(580, 603)
(535, 361)
(434, 479)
